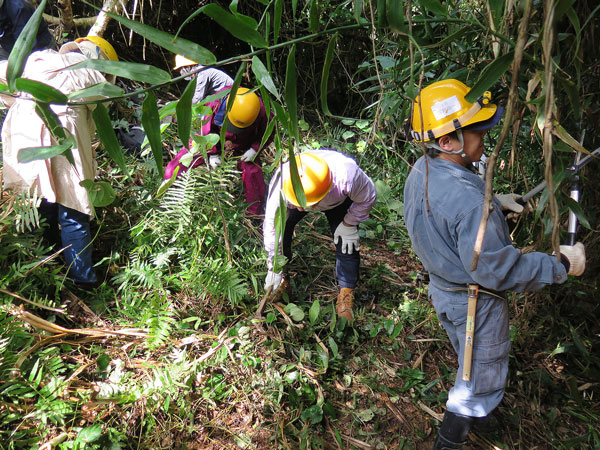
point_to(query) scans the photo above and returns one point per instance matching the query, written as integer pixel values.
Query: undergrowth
(167, 352)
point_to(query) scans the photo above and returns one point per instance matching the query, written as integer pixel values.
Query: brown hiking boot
(343, 307)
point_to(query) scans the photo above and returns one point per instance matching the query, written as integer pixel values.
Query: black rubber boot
(453, 432)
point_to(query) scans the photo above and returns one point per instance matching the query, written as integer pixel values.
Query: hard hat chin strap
(459, 151)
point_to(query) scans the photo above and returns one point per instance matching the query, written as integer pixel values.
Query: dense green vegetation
(168, 352)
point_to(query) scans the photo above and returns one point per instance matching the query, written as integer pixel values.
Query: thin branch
(510, 107)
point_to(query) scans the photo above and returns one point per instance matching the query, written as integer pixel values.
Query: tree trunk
(65, 12)
(102, 20)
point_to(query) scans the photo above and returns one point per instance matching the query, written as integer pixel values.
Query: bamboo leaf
(313, 16)
(41, 91)
(434, 6)
(107, 135)
(313, 312)
(134, 71)
(167, 41)
(394, 13)
(561, 7)
(151, 124)
(54, 125)
(237, 26)
(295, 177)
(576, 208)
(559, 131)
(263, 75)
(489, 75)
(29, 154)
(357, 6)
(325, 73)
(184, 113)
(497, 10)
(277, 20)
(100, 193)
(291, 92)
(381, 16)
(23, 46)
(104, 89)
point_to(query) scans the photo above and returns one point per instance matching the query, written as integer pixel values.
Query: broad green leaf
(394, 12)
(235, 25)
(357, 6)
(41, 91)
(282, 116)
(489, 75)
(313, 312)
(277, 20)
(333, 346)
(107, 135)
(294, 8)
(54, 125)
(325, 73)
(184, 113)
(381, 17)
(313, 16)
(497, 9)
(291, 98)
(435, 7)
(89, 434)
(100, 193)
(576, 208)
(23, 46)
(314, 414)
(167, 41)
(294, 312)
(560, 132)
(151, 124)
(561, 7)
(134, 71)
(104, 89)
(166, 184)
(296, 183)
(262, 74)
(29, 154)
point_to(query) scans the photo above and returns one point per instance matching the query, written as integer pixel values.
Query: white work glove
(248, 155)
(349, 237)
(273, 280)
(214, 161)
(509, 203)
(575, 254)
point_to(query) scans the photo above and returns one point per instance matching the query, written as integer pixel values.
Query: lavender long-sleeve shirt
(349, 181)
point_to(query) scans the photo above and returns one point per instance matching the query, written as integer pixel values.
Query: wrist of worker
(565, 262)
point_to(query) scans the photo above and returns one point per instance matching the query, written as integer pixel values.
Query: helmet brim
(487, 124)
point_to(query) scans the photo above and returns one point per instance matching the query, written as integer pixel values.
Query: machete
(573, 170)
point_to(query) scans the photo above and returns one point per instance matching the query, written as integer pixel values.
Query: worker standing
(246, 124)
(14, 15)
(334, 184)
(443, 204)
(65, 202)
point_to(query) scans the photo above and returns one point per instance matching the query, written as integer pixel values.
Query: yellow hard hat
(315, 177)
(182, 61)
(444, 110)
(245, 109)
(103, 44)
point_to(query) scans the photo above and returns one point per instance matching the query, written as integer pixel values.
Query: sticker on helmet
(446, 107)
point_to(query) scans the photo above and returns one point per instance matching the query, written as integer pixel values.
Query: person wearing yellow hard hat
(246, 124)
(443, 206)
(209, 80)
(334, 184)
(66, 206)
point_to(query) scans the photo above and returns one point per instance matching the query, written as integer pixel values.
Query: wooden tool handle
(470, 331)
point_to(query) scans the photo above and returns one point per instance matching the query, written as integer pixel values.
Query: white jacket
(56, 179)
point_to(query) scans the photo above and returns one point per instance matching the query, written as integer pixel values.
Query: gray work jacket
(444, 239)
